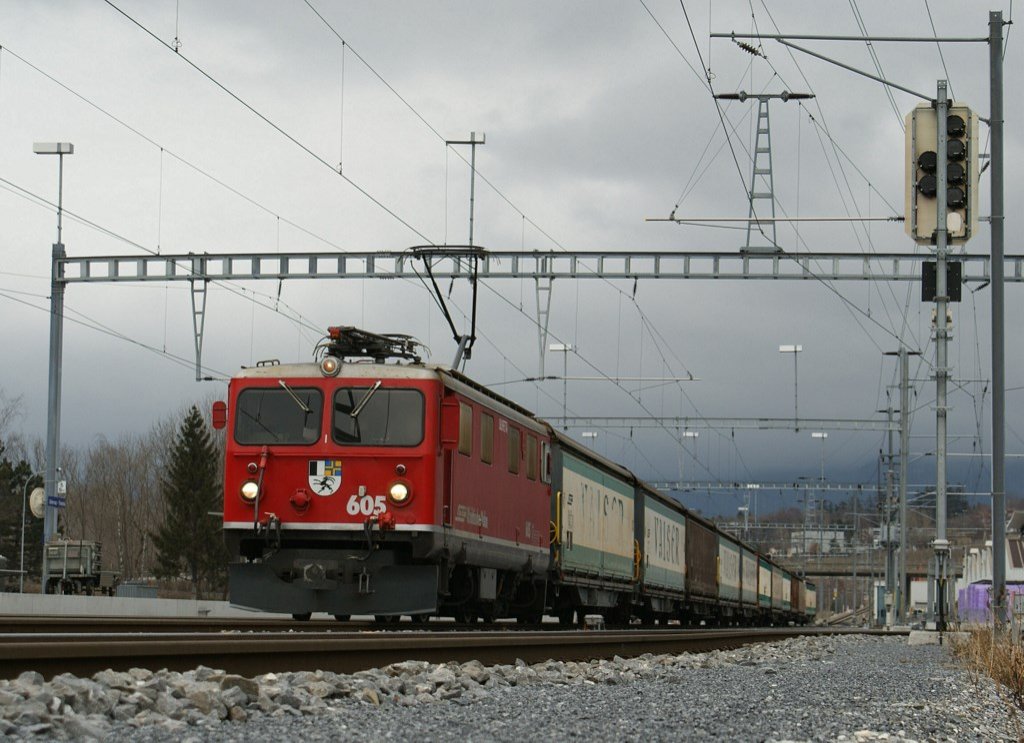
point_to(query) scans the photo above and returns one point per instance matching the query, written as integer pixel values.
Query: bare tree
(10, 411)
(114, 488)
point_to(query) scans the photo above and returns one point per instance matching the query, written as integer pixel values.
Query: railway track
(31, 624)
(256, 652)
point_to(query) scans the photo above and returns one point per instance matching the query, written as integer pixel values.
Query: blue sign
(57, 501)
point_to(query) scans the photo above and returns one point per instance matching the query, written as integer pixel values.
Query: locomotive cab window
(378, 416)
(276, 415)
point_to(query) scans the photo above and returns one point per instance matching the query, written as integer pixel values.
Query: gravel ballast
(853, 688)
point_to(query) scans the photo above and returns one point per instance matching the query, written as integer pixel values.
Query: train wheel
(465, 616)
(565, 617)
(343, 617)
(302, 616)
(536, 618)
(386, 618)
(420, 618)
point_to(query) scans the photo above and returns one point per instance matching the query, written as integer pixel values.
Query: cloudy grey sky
(594, 122)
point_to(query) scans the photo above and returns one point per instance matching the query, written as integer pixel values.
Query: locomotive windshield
(387, 417)
(274, 415)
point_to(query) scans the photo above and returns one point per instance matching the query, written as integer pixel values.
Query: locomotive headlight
(399, 493)
(250, 489)
(330, 366)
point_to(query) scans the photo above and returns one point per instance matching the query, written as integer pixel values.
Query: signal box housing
(961, 174)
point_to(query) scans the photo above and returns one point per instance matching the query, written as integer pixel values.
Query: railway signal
(922, 173)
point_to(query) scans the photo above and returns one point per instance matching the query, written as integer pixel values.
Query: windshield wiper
(305, 408)
(366, 398)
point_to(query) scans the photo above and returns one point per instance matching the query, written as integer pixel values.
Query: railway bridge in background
(864, 564)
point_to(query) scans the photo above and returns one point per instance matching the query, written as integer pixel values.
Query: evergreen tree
(190, 541)
(14, 476)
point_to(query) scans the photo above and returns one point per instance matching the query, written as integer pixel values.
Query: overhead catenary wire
(89, 322)
(852, 307)
(99, 327)
(849, 304)
(594, 367)
(270, 122)
(849, 189)
(921, 358)
(524, 217)
(823, 125)
(170, 153)
(115, 235)
(75, 217)
(876, 61)
(938, 46)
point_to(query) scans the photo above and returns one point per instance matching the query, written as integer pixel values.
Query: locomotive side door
(446, 488)
(450, 419)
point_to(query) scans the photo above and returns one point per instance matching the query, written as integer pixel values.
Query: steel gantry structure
(519, 264)
(544, 267)
(690, 423)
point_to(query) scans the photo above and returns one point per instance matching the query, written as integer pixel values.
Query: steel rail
(252, 654)
(31, 624)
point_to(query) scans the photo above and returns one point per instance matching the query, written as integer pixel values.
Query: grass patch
(983, 652)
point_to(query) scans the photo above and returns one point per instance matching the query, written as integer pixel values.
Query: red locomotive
(358, 486)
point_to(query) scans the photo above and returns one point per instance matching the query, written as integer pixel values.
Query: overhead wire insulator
(749, 49)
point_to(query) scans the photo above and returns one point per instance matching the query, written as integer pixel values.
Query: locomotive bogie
(309, 580)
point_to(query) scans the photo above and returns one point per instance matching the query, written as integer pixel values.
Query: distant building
(975, 587)
(821, 541)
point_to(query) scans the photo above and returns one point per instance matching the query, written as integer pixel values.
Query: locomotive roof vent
(347, 342)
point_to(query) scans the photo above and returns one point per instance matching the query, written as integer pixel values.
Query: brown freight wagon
(701, 565)
(798, 597)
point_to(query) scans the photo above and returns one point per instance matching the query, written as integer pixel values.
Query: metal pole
(853, 542)
(823, 463)
(60, 194)
(941, 545)
(995, 52)
(565, 384)
(796, 395)
(904, 544)
(54, 382)
(472, 182)
(890, 550)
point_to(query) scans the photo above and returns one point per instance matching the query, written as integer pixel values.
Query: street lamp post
(592, 435)
(56, 348)
(564, 349)
(794, 349)
(821, 435)
(683, 436)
